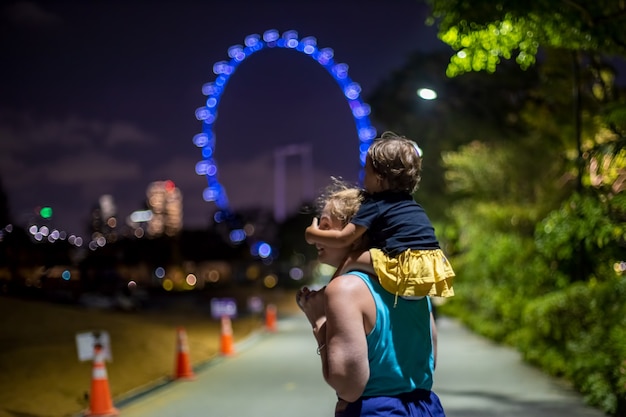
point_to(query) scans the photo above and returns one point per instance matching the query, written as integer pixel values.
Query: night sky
(100, 98)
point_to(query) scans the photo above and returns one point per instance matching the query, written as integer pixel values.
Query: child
(405, 252)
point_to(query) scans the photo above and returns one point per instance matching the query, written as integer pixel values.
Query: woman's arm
(346, 365)
(341, 314)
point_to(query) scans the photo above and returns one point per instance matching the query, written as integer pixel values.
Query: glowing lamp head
(427, 94)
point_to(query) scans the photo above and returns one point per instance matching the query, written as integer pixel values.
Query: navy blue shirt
(395, 223)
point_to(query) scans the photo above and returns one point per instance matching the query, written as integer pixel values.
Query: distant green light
(45, 212)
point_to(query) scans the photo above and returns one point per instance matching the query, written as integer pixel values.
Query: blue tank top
(400, 348)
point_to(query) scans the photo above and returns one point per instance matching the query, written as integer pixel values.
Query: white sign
(86, 343)
(221, 307)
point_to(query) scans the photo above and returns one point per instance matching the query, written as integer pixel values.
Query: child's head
(395, 162)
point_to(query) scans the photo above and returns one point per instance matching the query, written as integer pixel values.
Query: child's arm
(333, 238)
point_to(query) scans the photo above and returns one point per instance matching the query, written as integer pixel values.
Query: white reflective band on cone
(99, 373)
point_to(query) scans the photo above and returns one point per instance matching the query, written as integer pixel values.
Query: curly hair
(342, 199)
(398, 160)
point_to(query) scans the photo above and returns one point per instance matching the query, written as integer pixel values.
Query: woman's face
(330, 256)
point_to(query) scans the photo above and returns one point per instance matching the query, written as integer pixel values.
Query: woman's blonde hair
(398, 160)
(341, 199)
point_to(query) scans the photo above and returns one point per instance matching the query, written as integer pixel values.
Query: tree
(484, 32)
(575, 115)
(591, 32)
(475, 107)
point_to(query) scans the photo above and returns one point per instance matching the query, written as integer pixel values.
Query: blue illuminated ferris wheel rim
(224, 69)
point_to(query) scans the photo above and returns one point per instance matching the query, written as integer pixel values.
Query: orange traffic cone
(270, 318)
(227, 346)
(100, 403)
(183, 363)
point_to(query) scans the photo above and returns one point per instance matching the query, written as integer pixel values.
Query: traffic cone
(270, 318)
(227, 346)
(183, 363)
(100, 403)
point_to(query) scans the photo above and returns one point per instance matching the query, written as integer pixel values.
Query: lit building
(104, 219)
(165, 201)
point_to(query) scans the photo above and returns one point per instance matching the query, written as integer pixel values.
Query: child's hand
(310, 232)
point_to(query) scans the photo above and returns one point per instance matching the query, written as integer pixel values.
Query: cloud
(90, 166)
(22, 133)
(123, 133)
(44, 155)
(30, 14)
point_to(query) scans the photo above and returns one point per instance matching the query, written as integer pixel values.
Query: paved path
(278, 374)
(476, 377)
(272, 374)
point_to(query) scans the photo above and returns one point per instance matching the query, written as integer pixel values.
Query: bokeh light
(191, 280)
(426, 94)
(265, 250)
(296, 274)
(237, 235)
(270, 281)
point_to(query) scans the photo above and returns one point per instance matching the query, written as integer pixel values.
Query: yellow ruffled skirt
(414, 273)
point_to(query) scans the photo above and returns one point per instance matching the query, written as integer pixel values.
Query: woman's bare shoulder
(348, 293)
(347, 284)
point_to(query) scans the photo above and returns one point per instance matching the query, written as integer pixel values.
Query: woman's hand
(312, 304)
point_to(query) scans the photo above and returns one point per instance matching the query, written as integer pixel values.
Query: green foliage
(616, 117)
(531, 177)
(499, 270)
(484, 32)
(518, 253)
(475, 171)
(482, 47)
(496, 214)
(607, 169)
(580, 333)
(582, 219)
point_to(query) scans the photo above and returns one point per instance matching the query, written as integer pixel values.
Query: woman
(379, 359)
